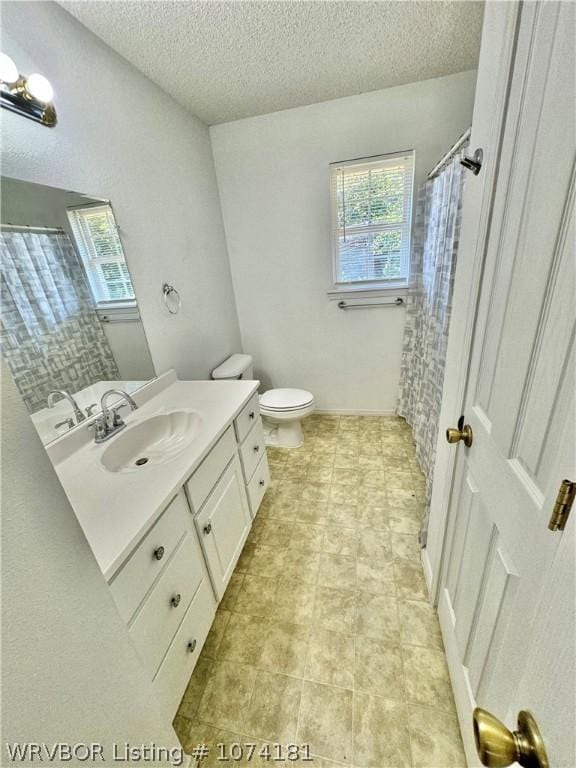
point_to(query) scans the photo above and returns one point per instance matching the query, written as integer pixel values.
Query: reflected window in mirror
(98, 242)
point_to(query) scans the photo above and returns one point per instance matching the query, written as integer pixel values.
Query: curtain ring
(168, 290)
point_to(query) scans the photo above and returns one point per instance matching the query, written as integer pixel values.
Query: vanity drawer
(258, 484)
(174, 673)
(130, 585)
(159, 617)
(252, 450)
(207, 474)
(248, 416)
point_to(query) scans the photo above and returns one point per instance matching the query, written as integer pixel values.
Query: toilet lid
(285, 399)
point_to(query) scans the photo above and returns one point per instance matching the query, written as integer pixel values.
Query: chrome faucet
(110, 422)
(63, 395)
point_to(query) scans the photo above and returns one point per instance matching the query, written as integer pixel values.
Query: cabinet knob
(207, 528)
(175, 602)
(262, 483)
(191, 646)
(256, 448)
(159, 553)
(252, 415)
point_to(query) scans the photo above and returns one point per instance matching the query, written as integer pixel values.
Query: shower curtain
(51, 336)
(428, 307)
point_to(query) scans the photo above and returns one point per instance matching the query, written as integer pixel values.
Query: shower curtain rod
(30, 226)
(451, 152)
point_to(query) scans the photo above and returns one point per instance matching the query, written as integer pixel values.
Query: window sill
(123, 314)
(337, 294)
(111, 306)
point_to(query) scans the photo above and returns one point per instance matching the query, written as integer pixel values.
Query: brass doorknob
(455, 435)
(498, 747)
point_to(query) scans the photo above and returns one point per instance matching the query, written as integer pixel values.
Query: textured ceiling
(228, 60)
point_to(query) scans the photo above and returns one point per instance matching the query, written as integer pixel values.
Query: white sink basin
(152, 441)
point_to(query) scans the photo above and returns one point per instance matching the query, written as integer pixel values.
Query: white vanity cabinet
(223, 525)
(177, 666)
(164, 594)
(168, 588)
(219, 492)
(248, 416)
(258, 484)
(155, 624)
(250, 435)
(133, 581)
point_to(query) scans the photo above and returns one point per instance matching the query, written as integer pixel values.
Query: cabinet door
(223, 525)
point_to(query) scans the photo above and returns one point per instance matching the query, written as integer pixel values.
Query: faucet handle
(117, 420)
(99, 427)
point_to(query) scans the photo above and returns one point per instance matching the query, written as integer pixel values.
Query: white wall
(69, 670)
(120, 137)
(128, 344)
(273, 178)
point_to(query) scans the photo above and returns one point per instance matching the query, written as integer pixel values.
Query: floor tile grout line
(325, 522)
(303, 681)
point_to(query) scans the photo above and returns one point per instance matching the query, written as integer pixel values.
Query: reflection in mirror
(71, 328)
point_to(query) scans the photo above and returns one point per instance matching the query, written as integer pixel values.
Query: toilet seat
(285, 400)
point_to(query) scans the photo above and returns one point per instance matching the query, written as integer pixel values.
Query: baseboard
(353, 412)
(427, 568)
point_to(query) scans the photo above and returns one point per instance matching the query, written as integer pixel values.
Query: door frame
(499, 37)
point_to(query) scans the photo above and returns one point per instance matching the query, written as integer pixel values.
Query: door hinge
(562, 505)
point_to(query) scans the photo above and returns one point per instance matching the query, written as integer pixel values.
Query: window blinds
(371, 211)
(98, 242)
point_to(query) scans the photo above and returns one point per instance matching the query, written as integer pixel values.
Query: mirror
(71, 328)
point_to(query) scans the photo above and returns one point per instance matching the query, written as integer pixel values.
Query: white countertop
(116, 509)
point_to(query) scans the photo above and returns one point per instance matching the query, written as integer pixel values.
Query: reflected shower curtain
(428, 307)
(51, 336)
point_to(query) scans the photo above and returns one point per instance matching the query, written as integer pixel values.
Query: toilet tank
(235, 367)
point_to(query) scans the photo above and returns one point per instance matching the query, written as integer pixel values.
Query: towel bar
(398, 301)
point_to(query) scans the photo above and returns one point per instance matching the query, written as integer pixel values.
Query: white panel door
(223, 525)
(548, 685)
(520, 394)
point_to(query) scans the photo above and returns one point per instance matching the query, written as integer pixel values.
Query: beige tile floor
(325, 636)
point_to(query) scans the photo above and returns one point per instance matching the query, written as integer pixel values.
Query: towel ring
(168, 290)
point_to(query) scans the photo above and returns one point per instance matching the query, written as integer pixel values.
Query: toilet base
(283, 434)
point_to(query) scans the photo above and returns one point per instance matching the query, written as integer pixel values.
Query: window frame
(84, 255)
(370, 288)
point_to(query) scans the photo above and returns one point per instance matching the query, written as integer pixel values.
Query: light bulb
(8, 70)
(39, 88)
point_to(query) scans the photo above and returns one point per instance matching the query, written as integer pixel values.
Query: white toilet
(282, 409)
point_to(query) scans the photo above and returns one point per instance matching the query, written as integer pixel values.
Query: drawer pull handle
(207, 528)
(256, 448)
(192, 646)
(159, 553)
(262, 483)
(252, 415)
(175, 602)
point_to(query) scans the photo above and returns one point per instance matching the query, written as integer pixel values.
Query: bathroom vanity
(166, 502)
(167, 532)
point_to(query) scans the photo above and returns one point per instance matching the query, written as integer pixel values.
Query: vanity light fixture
(29, 96)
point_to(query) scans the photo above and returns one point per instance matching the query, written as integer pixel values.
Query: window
(98, 243)
(371, 215)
